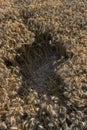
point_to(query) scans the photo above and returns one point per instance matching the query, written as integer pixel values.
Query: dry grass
(30, 33)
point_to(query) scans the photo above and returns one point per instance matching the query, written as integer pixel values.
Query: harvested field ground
(43, 65)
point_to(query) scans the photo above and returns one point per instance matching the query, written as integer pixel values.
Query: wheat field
(43, 60)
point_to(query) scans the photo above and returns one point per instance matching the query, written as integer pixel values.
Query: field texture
(43, 64)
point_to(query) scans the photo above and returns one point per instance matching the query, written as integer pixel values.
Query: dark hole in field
(38, 64)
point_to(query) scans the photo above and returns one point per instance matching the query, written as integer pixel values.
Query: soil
(43, 73)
